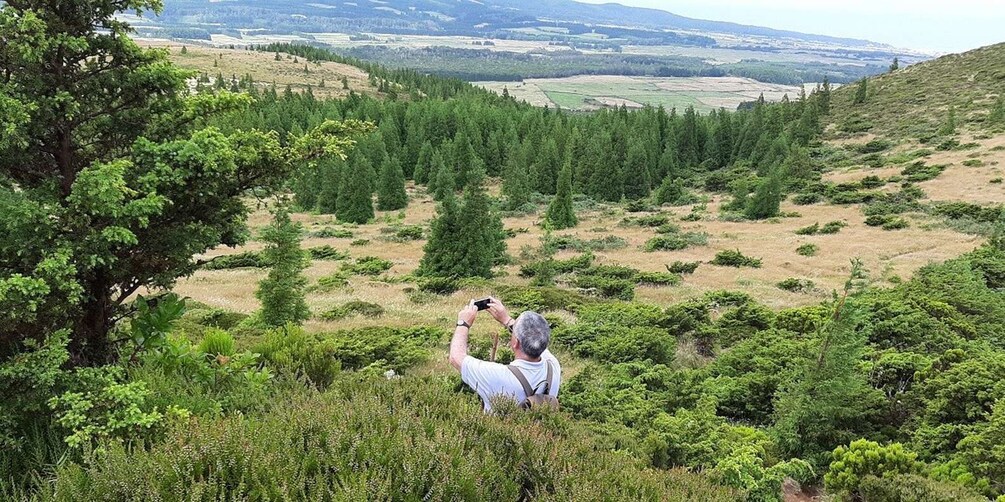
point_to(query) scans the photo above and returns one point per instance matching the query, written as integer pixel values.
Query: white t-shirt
(490, 379)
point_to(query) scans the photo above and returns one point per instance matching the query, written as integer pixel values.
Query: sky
(928, 25)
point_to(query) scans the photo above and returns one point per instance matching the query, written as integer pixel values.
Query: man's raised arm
(459, 343)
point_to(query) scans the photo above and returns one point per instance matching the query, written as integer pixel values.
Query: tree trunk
(90, 345)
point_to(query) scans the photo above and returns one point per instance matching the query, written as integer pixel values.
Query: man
(533, 361)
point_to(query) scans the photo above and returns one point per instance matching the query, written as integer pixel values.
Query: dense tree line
(611, 155)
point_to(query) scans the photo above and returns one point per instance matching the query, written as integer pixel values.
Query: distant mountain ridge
(489, 18)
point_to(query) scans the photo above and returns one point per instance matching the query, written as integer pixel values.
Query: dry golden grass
(886, 254)
(265, 70)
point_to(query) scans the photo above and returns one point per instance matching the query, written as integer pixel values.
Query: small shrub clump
(807, 250)
(734, 258)
(676, 241)
(332, 233)
(353, 308)
(796, 285)
(368, 265)
(683, 267)
(832, 227)
(247, 259)
(326, 252)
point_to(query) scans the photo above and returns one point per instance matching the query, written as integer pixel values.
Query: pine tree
(949, 127)
(767, 198)
(672, 191)
(345, 84)
(516, 184)
(282, 291)
(636, 172)
(278, 57)
(329, 178)
(184, 50)
(824, 97)
(862, 93)
(445, 181)
(560, 212)
(482, 235)
(355, 198)
(895, 65)
(391, 192)
(424, 166)
(442, 251)
(544, 171)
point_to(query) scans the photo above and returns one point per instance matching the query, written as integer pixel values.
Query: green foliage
(734, 258)
(832, 227)
(380, 420)
(367, 265)
(331, 282)
(217, 342)
(861, 92)
(807, 250)
(864, 458)
(683, 267)
(673, 192)
(355, 307)
(326, 252)
(292, 351)
(332, 233)
(391, 189)
(560, 213)
(983, 451)
(355, 195)
(919, 171)
(997, 115)
(438, 285)
(767, 198)
(112, 410)
(237, 260)
(466, 241)
(809, 230)
(797, 285)
(676, 241)
(911, 487)
(606, 287)
(282, 291)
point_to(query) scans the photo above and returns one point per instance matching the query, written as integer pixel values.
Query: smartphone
(483, 304)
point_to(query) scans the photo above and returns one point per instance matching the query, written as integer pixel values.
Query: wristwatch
(461, 322)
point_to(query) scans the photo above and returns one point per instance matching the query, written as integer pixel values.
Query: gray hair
(533, 332)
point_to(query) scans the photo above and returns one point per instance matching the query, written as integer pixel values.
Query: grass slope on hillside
(914, 102)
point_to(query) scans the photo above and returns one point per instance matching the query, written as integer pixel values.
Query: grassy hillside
(323, 77)
(914, 102)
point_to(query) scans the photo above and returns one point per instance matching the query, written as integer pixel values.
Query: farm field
(591, 92)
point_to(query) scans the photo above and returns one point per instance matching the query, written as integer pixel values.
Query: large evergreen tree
(424, 166)
(282, 291)
(465, 241)
(109, 185)
(637, 183)
(862, 92)
(391, 192)
(355, 198)
(516, 184)
(560, 212)
(767, 198)
(442, 250)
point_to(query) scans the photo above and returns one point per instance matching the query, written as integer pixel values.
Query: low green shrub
(809, 230)
(360, 242)
(353, 308)
(871, 182)
(734, 258)
(797, 285)
(650, 220)
(331, 282)
(607, 242)
(863, 458)
(438, 285)
(896, 224)
(683, 267)
(832, 227)
(326, 252)
(542, 299)
(292, 351)
(913, 487)
(919, 171)
(877, 220)
(657, 279)
(807, 250)
(607, 287)
(581, 262)
(328, 446)
(367, 265)
(332, 233)
(676, 241)
(217, 342)
(403, 233)
(249, 259)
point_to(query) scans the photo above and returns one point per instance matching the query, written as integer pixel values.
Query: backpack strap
(523, 380)
(527, 389)
(547, 381)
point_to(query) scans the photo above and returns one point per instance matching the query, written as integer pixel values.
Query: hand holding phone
(483, 304)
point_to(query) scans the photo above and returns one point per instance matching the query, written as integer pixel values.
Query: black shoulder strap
(523, 380)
